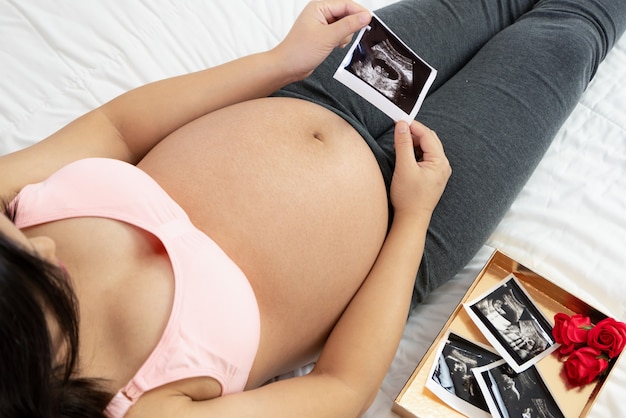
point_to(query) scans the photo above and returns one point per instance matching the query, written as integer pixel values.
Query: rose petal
(609, 336)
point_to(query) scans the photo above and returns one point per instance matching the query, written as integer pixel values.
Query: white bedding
(60, 59)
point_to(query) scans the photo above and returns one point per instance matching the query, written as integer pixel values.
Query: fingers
(404, 144)
(344, 17)
(417, 135)
(334, 10)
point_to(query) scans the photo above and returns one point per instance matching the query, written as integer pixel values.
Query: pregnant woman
(172, 251)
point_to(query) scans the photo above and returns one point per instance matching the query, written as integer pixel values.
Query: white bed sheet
(60, 59)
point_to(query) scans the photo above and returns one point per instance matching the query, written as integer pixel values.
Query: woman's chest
(124, 284)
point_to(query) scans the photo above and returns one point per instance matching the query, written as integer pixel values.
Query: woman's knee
(591, 26)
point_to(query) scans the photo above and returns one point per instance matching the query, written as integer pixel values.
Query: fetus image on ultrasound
(453, 371)
(515, 322)
(384, 63)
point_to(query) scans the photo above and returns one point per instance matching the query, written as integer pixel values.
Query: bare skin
(290, 192)
(304, 264)
(269, 207)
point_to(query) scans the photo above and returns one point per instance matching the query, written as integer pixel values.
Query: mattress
(60, 59)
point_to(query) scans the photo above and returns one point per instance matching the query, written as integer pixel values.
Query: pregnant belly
(294, 196)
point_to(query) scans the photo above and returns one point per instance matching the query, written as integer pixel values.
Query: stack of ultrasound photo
(501, 379)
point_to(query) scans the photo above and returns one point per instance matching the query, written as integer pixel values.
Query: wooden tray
(415, 400)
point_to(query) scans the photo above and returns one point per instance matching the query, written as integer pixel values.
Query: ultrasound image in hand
(387, 65)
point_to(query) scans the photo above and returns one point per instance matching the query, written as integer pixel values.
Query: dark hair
(32, 382)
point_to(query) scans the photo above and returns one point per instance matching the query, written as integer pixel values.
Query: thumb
(403, 141)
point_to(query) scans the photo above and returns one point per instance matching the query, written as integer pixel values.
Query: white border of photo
(374, 96)
(449, 398)
(495, 341)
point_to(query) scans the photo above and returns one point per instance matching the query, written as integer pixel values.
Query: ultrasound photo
(388, 67)
(511, 394)
(385, 64)
(451, 377)
(513, 324)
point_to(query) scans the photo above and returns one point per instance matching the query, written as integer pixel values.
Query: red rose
(584, 365)
(608, 335)
(570, 332)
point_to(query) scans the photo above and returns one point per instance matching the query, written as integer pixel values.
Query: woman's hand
(417, 185)
(321, 27)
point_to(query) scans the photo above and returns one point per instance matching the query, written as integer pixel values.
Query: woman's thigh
(498, 115)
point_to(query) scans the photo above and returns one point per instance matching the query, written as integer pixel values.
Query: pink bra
(214, 326)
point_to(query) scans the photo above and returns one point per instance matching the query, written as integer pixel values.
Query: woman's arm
(128, 126)
(360, 348)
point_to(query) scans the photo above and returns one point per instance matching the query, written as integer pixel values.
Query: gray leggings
(509, 74)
